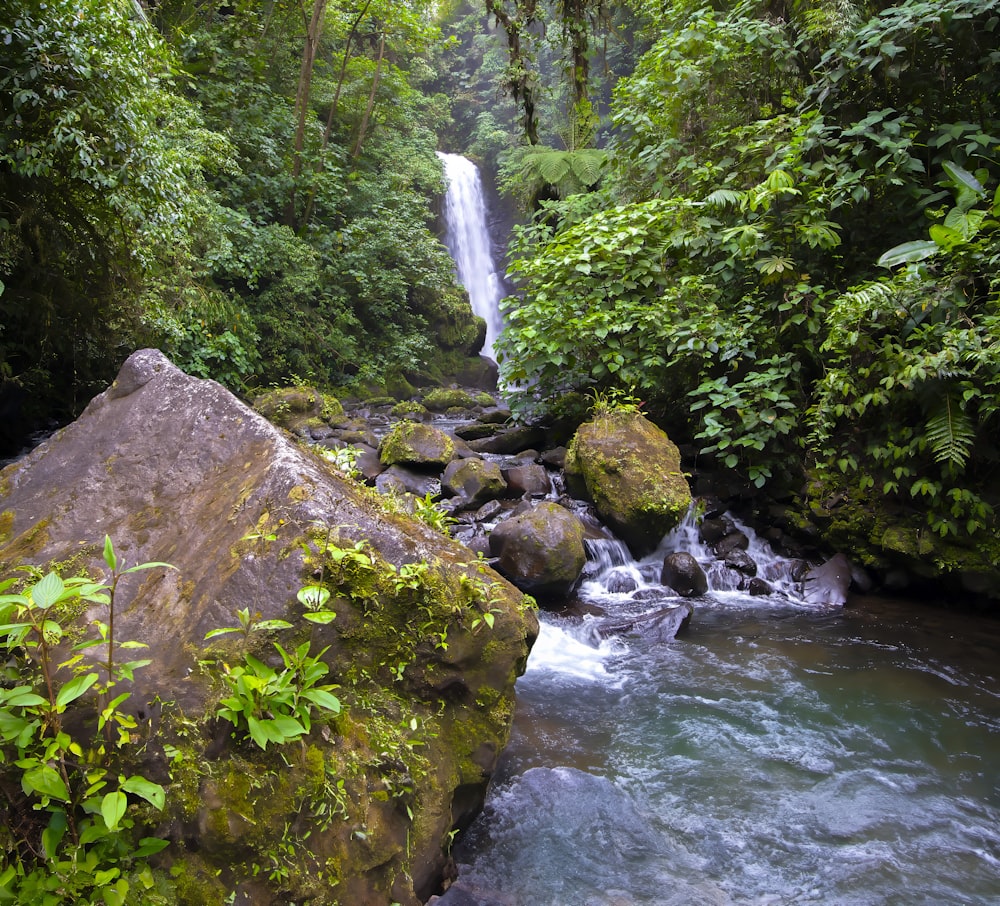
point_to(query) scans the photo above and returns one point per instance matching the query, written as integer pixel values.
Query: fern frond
(587, 164)
(950, 433)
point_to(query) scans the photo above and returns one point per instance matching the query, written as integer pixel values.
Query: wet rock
(631, 471)
(412, 443)
(659, 626)
(758, 587)
(554, 458)
(683, 574)
(476, 431)
(494, 417)
(712, 531)
(473, 480)
(829, 583)
(540, 550)
(620, 582)
(511, 440)
(528, 479)
(735, 540)
(401, 480)
(740, 561)
(488, 512)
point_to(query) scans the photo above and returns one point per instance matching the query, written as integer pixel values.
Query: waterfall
(467, 238)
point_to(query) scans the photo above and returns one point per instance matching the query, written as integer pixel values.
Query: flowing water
(774, 753)
(467, 238)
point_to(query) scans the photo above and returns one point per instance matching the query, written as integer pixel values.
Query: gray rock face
(176, 469)
(828, 583)
(540, 550)
(528, 479)
(683, 574)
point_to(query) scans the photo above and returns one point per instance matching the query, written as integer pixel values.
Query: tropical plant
(71, 821)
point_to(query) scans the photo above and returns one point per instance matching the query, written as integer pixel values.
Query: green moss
(442, 398)
(196, 884)
(6, 525)
(408, 408)
(333, 410)
(25, 546)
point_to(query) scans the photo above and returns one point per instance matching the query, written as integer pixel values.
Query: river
(773, 753)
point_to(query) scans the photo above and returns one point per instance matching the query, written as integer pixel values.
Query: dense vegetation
(791, 255)
(247, 186)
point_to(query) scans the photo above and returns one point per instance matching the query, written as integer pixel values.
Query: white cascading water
(467, 238)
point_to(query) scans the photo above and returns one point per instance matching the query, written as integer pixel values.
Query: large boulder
(540, 550)
(415, 444)
(683, 574)
(474, 481)
(631, 471)
(176, 469)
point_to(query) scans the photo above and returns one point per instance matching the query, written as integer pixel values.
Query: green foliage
(730, 257)
(431, 513)
(276, 705)
(71, 827)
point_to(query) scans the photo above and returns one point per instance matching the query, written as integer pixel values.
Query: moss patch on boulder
(631, 471)
(412, 443)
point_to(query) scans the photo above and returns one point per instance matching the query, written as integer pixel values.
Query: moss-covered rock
(443, 398)
(359, 811)
(540, 550)
(413, 443)
(409, 409)
(473, 480)
(631, 471)
(301, 410)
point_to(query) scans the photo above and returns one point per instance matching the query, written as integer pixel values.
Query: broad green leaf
(75, 688)
(46, 591)
(313, 596)
(962, 177)
(53, 834)
(150, 845)
(152, 792)
(46, 782)
(324, 699)
(113, 807)
(116, 896)
(908, 252)
(320, 616)
(289, 727)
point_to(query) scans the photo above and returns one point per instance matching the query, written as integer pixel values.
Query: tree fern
(950, 433)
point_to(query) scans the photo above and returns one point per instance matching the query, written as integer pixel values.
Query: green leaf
(47, 591)
(152, 792)
(116, 896)
(113, 807)
(320, 616)
(109, 554)
(962, 177)
(150, 845)
(53, 834)
(46, 782)
(908, 252)
(224, 631)
(313, 596)
(75, 688)
(273, 624)
(323, 699)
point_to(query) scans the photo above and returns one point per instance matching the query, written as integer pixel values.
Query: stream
(773, 753)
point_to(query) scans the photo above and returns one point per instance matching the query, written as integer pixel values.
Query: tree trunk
(313, 30)
(363, 128)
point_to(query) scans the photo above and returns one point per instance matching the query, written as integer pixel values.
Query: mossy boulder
(301, 410)
(474, 481)
(631, 471)
(540, 550)
(359, 811)
(416, 444)
(443, 398)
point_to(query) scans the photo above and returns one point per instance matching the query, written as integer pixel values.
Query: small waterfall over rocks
(467, 238)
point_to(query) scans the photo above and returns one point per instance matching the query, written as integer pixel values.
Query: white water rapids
(773, 753)
(467, 238)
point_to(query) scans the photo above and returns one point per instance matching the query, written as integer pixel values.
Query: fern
(950, 433)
